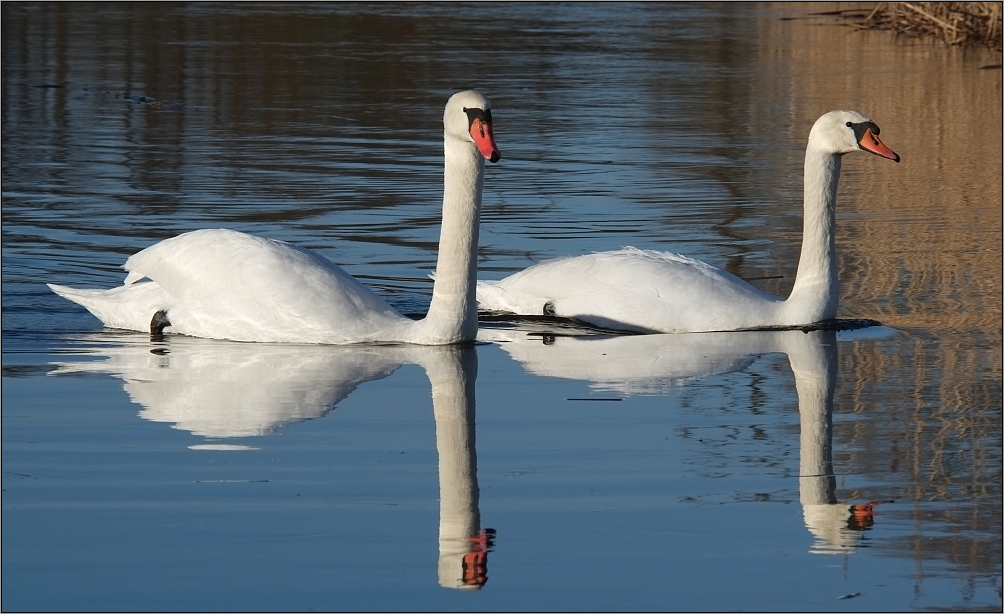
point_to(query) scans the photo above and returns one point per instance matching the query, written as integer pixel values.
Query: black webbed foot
(158, 322)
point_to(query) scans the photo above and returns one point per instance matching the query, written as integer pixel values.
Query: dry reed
(956, 23)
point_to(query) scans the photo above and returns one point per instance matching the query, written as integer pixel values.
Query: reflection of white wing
(653, 363)
(225, 389)
(634, 364)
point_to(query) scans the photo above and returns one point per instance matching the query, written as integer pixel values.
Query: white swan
(228, 285)
(646, 291)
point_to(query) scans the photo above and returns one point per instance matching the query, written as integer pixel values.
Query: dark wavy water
(623, 473)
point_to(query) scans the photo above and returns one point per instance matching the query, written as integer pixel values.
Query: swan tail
(130, 307)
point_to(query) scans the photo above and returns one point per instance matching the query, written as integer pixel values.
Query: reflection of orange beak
(475, 563)
(481, 132)
(475, 568)
(862, 517)
(871, 142)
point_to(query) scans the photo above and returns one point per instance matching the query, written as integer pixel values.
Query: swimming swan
(651, 291)
(224, 284)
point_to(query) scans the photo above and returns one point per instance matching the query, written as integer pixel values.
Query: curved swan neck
(815, 294)
(453, 314)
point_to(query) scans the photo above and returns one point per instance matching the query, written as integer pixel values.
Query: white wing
(229, 285)
(632, 289)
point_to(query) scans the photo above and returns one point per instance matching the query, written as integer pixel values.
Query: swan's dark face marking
(479, 122)
(866, 134)
(485, 115)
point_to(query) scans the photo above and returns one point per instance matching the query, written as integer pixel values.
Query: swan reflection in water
(222, 390)
(646, 364)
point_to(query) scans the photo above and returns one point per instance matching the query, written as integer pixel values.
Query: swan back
(633, 289)
(227, 284)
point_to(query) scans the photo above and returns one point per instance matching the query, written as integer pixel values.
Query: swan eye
(850, 124)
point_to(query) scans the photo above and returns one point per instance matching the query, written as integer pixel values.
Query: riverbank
(973, 26)
(954, 23)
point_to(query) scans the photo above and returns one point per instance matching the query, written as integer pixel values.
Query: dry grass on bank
(956, 23)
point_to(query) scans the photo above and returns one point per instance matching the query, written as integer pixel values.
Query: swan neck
(815, 294)
(453, 314)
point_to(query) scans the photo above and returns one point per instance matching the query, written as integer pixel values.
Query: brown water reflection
(921, 251)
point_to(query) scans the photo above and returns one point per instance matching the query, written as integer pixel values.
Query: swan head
(840, 132)
(468, 117)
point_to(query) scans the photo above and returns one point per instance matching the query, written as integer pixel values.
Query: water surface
(555, 468)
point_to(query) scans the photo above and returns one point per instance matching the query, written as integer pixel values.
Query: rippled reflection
(227, 390)
(648, 364)
(221, 390)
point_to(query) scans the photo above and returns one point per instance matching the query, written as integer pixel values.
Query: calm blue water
(549, 466)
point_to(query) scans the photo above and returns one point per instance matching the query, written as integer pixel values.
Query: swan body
(224, 284)
(650, 291)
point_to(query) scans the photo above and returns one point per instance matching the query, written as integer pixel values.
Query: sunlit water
(550, 466)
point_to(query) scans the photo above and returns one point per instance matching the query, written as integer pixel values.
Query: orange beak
(481, 132)
(871, 142)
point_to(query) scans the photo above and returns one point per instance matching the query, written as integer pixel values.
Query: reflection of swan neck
(453, 404)
(452, 373)
(814, 363)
